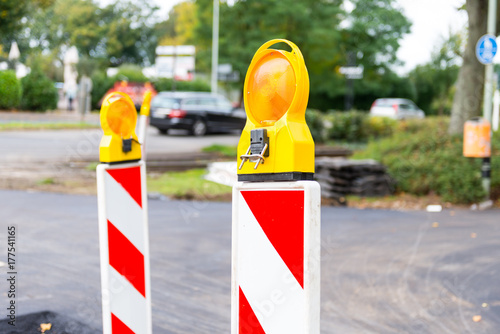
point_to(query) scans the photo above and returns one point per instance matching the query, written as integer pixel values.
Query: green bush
(10, 90)
(164, 84)
(101, 83)
(39, 92)
(376, 127)
(316, 122)
(130, 73)
(424, 159)
(347, 126)
(352, 126)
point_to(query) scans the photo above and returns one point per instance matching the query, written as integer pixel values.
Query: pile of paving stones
(340, 177)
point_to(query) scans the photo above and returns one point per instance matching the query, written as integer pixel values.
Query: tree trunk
(468, 98)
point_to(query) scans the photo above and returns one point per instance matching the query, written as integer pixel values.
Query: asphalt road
(83, 145)
(382, 271)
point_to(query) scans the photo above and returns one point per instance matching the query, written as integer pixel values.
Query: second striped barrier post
(276, 203)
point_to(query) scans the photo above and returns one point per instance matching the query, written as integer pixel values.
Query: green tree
(120, 32)
(129, 35)
(39, 92)
(178, 29)
(468, 98)
(13, 11)
(11, 90)
(435, 80)
(15, 16)
(372, 30)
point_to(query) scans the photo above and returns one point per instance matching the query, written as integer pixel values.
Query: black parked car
(197, 112)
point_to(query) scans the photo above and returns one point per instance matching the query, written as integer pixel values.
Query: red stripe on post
(118, 327)
(126, 258)
(130, 180)
(248, 322)
(280, 213)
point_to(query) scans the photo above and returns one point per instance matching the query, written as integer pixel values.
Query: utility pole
(215, 46)
(349, 96)
(488, 81)
(487, 100)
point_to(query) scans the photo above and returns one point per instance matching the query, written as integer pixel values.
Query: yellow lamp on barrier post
(276, 144)
(146, 104)
(118, 120)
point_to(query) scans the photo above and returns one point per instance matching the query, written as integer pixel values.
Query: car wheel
(199, 128)
(163, 131)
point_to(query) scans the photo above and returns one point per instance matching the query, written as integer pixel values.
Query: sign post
(123, 221)
(276, 203)
(486, 49)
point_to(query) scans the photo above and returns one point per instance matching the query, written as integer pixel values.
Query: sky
(432, 21)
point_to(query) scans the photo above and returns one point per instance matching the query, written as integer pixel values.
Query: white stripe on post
(124, 212)
(124, 295)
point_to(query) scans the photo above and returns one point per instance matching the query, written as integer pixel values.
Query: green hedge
(102, 83)
(39, 92)
(130, 73)
(11, 91)
(351, 126)
(316, 121)
(424, 159)
(164, 84)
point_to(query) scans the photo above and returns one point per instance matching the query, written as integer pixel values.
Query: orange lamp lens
(121, 118)
(271, 88)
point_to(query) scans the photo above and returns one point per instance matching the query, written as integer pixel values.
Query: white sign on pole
(183, 66)
(169, 50)
(352, 72)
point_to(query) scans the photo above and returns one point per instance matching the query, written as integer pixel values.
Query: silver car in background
(396, 109)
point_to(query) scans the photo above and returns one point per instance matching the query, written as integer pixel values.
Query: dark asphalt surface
(382, 271)
(83, 145)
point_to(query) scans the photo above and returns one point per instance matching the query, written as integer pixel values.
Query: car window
(207, 102)
(165, 102)
(405, 106)
(190, 102)
(384, 103)
(223, 103)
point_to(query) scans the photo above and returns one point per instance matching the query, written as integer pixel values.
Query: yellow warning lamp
(276, 144)
(146, 103)
(118, 120)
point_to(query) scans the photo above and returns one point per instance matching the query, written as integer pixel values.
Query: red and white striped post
(276, 203)
(123, 222)
(276, 257)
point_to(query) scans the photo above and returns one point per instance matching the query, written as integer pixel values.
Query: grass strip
(11, 126)
(188, 185)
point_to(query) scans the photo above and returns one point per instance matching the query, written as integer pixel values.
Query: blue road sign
(486, 49)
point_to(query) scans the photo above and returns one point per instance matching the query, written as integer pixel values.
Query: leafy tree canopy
(324, 30)
(120, 32)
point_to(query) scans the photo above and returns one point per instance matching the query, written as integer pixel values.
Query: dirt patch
(44, 177)
(401, 202)
(81, 181)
